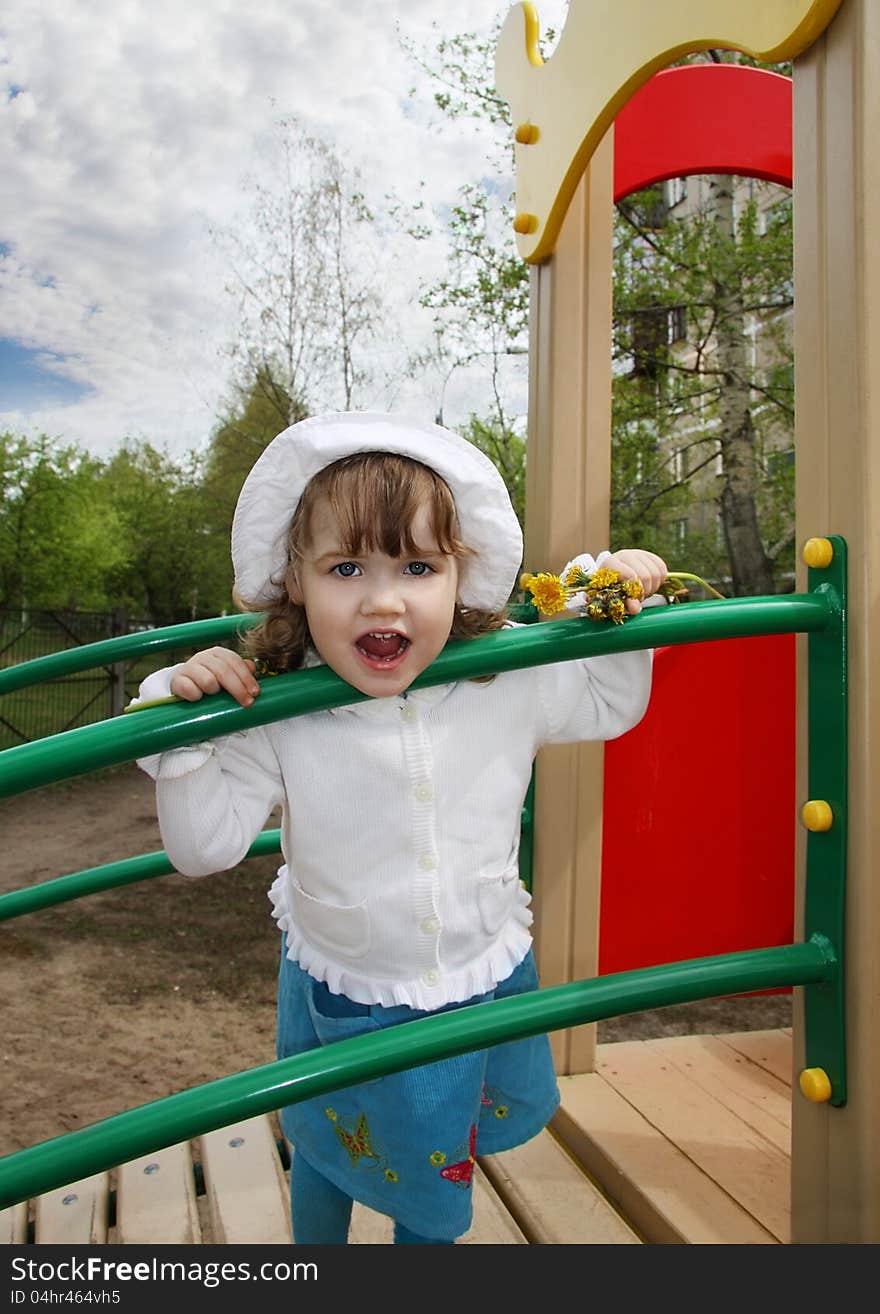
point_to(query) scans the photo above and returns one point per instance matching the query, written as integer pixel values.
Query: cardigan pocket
(341, 929)
(496, 897)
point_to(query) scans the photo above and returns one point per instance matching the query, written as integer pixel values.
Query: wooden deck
(673, 1140)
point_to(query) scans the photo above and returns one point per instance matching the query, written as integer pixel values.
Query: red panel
(704, 118)
(699, 814)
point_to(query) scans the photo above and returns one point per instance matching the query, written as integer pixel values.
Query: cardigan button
(428, 862)
(430, 925)
(424, 793)
(431, 977)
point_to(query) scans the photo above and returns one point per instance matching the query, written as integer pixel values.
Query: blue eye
(419, 568)
(346, 570)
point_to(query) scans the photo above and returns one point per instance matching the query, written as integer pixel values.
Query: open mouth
(382, 647)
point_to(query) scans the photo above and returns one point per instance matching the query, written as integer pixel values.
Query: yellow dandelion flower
(617, 610)
(548, 593)
(595, 611)
(438, 1158)
(575, 578)
(603, 579)
(633, 588)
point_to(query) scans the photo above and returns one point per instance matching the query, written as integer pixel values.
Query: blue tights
(321, 1213)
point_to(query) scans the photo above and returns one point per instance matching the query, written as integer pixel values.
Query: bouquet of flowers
(601, 594)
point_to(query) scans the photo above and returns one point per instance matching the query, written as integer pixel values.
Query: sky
(128, 132)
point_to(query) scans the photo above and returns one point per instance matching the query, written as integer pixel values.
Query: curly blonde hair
(374, 497)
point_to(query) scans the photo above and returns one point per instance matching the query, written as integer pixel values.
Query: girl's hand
(634, 563)
(212, 670)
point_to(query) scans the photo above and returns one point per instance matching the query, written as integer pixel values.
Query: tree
(303, 277)
(59, 537)
(171, 570)
(251, 421)
(703, 378)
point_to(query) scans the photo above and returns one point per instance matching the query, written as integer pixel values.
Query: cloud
(128, 129)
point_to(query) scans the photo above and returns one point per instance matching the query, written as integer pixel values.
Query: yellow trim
(533, 35)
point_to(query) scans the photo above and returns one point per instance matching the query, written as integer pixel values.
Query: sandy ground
(123, 997)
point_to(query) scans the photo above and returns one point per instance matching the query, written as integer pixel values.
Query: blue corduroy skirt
(405, 1144)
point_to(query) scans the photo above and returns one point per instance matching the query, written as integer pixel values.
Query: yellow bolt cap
(818, 553)
(525, 223)
(815, 1085)
(527, 134)
(817, 815)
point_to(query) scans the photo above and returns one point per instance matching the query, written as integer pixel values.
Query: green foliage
(507, 451)
(683, 287)
(167, 574)
(58, 534)
(259, 411)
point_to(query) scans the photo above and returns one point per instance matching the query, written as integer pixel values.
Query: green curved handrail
(190, 1113)
(55, 665)
(158, 729)
(92, 880)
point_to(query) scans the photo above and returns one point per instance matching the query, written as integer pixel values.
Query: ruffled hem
(477, 978)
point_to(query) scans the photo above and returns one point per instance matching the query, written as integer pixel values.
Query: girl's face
(377, 621)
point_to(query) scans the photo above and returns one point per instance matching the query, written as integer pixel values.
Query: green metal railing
(146, 866)
(106, 652)
(151, 1127)
(157, 729)
(815, 964)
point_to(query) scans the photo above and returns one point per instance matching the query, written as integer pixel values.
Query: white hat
(272, 491)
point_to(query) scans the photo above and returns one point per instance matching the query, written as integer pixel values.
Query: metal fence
(56, 705)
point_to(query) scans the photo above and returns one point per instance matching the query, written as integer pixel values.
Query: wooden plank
(552, 1197)
(568, 482)
(13, 1224)
(663, 1193)
(742, 1161)
(771, 1050)
(245, 1185)
(754, 1095)
(75, 1214)
(492, 1223)
(156, 1200)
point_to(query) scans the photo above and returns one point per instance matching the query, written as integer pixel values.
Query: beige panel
(73, 1215)
(559, 1205)
(156, 1200)
(771, 1050)
(836, 1152)
(245, 1185)
(13, 1224)
(568, 511)
(657, 1186)
(758, 1098)
(702, 1123)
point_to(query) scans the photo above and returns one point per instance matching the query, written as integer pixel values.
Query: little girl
(369, 541)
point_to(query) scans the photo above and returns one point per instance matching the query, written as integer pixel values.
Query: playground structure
(835, 1183)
